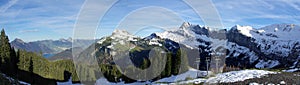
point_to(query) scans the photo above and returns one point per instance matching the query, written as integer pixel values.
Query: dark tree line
(32, 67)
(8, 56)
(172, 67)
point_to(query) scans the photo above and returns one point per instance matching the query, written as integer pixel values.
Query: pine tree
(1, 52)
(7, 53)
(14, 61)
(168, 66)
(176, 63)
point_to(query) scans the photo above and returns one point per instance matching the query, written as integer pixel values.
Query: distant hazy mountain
(66, 54)
(49, 46)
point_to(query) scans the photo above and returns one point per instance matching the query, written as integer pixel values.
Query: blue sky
(33, 20)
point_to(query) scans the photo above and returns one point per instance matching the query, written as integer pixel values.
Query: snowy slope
(276, 45)
(275, 31)
(283, 31)
(191, 73)
(278, 39)
(264, 47)
(182, 35)
(191, 36)
(273, 46)
(235, 76)
(232, 76)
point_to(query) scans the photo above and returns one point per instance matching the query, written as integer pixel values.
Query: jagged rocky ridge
(275, 46)
(121, 41)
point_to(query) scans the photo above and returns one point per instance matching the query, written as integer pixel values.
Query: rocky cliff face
(274, 46)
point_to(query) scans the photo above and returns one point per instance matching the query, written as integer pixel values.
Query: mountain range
(274, 46)
(49, 46)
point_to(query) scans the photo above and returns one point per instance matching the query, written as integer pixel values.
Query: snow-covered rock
(245, 30)
(282, 82)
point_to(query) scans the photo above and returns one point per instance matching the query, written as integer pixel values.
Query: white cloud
(8, 5)
(54, 18)
(150, 16)
(59, 16)
(28, 31)
(246, 12)
(292, 3)
(88, 20)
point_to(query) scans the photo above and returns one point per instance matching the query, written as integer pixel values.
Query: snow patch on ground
(235, 76)
(281, 83)
(192, 74)
(232, 76)
(254, 83)
(103, 81)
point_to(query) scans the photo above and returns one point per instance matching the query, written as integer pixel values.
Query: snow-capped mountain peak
(121, 34)
(152, 36)
(183, 34)
(245, 30)
(279, 32)
(189, 35)
(185, 25)
(282, 27)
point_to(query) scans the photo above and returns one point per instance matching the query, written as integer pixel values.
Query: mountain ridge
(256, 48)
(48, 46)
